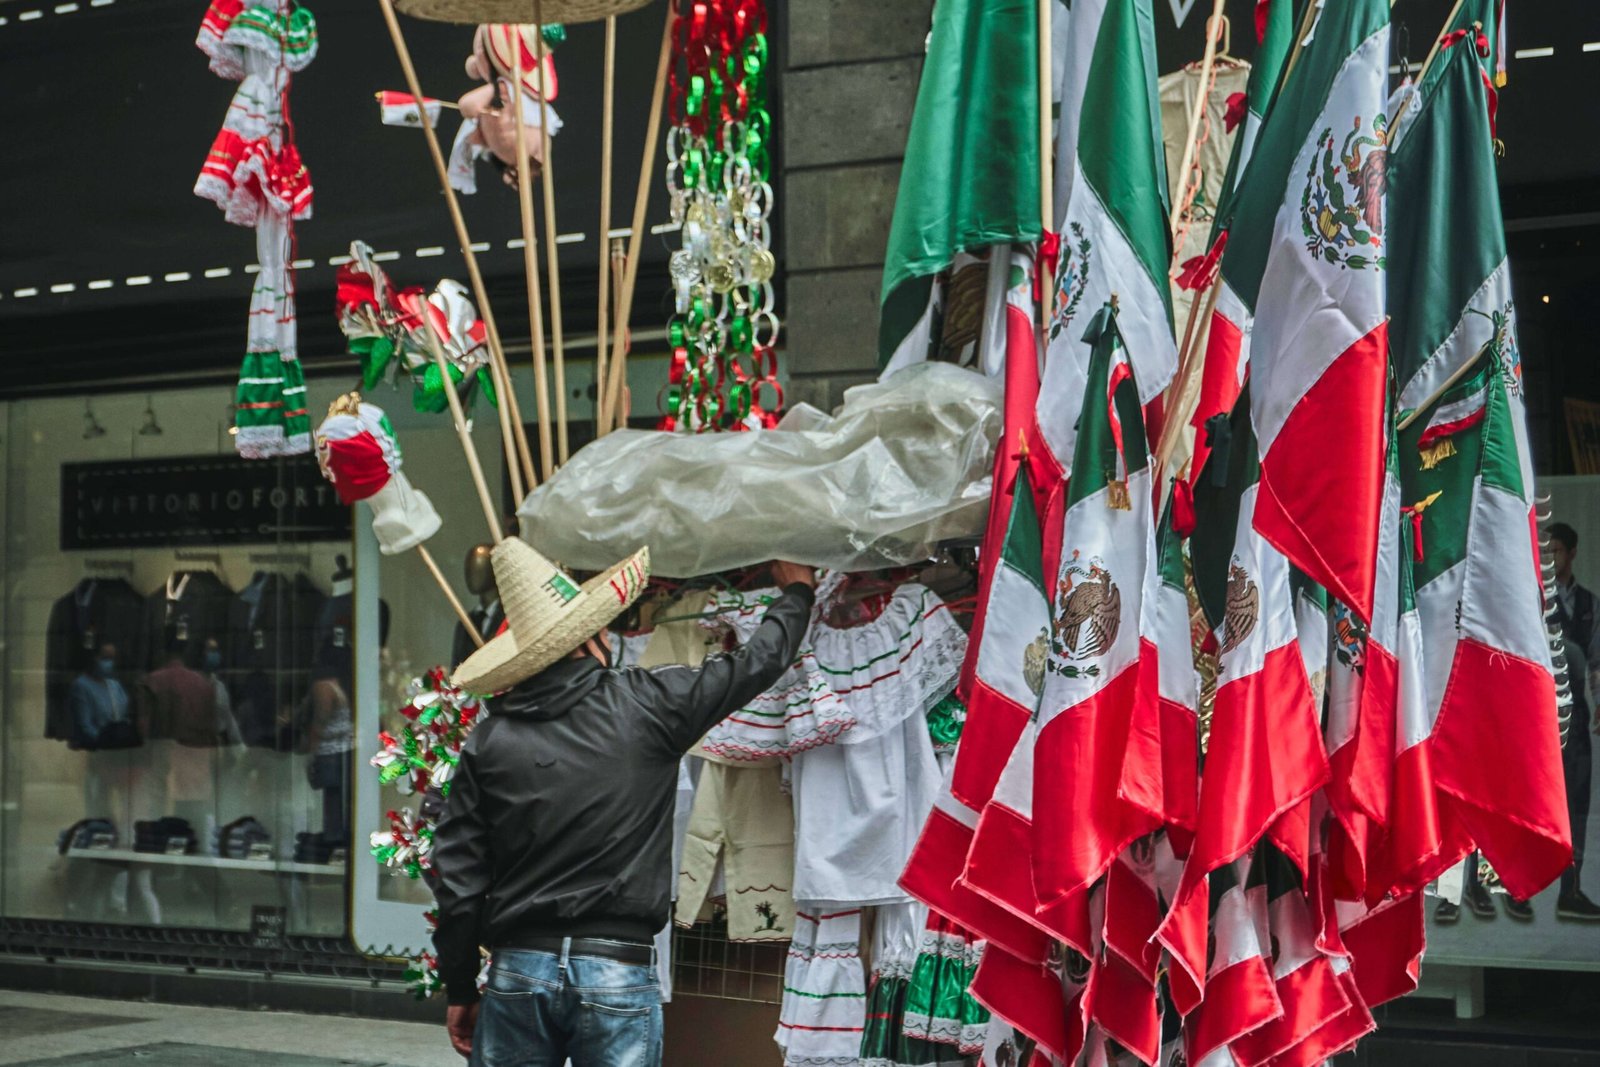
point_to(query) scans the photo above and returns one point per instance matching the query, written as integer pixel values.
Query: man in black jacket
(555, 848)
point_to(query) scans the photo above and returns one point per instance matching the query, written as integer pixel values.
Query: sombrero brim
(518, 11)
(511, 658)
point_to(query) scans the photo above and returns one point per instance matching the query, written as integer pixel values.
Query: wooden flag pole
(1047, 163)
(619, 348)
(450, 595)
(1191, 142)
(530, 265)
(603, 305)
(489, 513)
(517, 457)
(1179, 413)
(619, 264)
(551, 250)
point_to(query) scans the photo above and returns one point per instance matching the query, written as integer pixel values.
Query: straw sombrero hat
(517, 10)
(547, 614)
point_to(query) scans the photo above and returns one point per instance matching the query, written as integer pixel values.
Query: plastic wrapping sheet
(904, 464)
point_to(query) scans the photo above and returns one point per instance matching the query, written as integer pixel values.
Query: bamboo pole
(552, 252)
(450, 595)
(619, 349)
(1047, 163)
(1207, 61)
(517, 457)
(603, 305)
(530, 262)
(619, 264)
(1433, 398)
(489, 513)
(1180, 413)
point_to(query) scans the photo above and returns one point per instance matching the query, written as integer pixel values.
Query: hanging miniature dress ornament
(386, 330)
(254, 174)
(357, 452)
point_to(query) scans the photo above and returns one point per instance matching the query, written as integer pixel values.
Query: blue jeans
(542, 1009)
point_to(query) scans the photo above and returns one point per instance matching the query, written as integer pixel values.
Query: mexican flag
(1111, 200)
(971, 173)
(1314, 284)
(1080, 823)
(1161, 766)
(1467, 482)
(1004, 666)
(1005, 693)
(1496, 782)
(400, 109)
(1127, 994)
(1265, 757)
(1371, 672)
(1235, 969)
(1275, 25)
(1227, 334)
(1315, 1001)
(1450, 283)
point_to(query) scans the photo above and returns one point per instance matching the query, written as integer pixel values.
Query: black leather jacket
(559, 820)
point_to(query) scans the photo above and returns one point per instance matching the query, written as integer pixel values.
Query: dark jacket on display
(97, 612)
(272, 626)
(190, 607)
(559, 822)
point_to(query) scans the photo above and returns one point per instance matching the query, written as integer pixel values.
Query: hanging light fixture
(91, 425)
(151, 427)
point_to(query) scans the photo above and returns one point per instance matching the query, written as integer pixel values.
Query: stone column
(849, 85)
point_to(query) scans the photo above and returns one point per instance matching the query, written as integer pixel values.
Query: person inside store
(99, 704)
(1576, 610)
(329, 739)
(555, 847)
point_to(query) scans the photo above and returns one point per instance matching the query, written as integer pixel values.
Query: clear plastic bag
(904, 464)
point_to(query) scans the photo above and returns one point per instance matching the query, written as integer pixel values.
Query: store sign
(198, 500)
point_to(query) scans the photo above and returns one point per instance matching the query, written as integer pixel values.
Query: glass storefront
(198, 653)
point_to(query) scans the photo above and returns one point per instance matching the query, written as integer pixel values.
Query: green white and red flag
(1112, 210)
(1001, 676)
(971, 173)
(1265, 757)
(1462, 771)
(1227, 348)
(1080, 822)
(1161, 766)
(1235, 968)
(1319, 336)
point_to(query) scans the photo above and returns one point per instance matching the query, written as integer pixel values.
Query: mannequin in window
(487, 616)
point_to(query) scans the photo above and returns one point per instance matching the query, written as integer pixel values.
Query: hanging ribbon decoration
(724, 330)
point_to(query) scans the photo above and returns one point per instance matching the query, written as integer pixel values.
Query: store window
(178, 689)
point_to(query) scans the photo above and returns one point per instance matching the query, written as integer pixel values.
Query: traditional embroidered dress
(800, 712)
(859, 804)
(888, 1041)
(823, 1012)
(939, 1007)
(254, 174)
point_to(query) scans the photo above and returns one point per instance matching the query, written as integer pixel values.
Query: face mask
(104, 667)
(213, 659)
